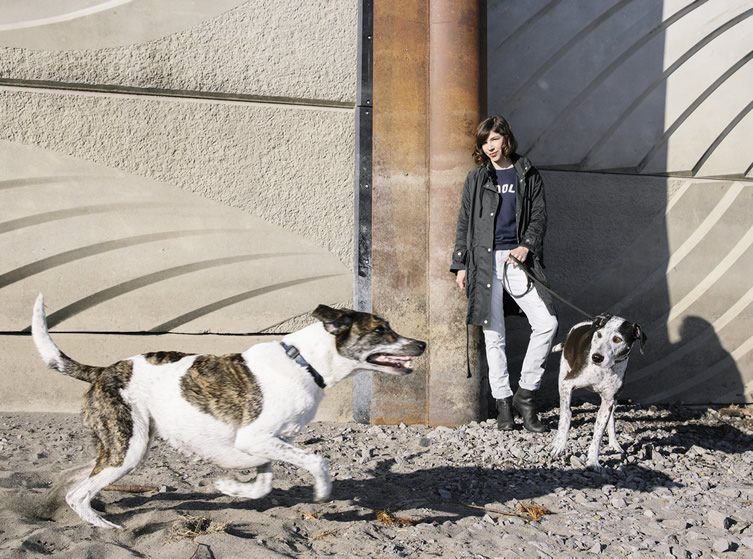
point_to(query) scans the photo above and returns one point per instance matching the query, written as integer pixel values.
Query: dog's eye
(380, 329)
(617, 339)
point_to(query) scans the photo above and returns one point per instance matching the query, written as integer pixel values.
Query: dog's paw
(322, 490)
(256, 490)
(557, 447)
(593, 464)
(229, 487)
(615, 446)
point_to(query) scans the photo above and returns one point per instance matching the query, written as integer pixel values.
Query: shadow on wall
(108, 249)
(632, 119)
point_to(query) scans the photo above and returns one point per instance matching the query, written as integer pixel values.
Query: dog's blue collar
(292, 352)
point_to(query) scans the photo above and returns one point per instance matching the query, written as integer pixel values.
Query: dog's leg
(614, 444)
(563, 429)
(259, 488)
(107, 470)
(602, 418)
(273, 448)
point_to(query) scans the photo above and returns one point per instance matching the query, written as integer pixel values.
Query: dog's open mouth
(402, 362)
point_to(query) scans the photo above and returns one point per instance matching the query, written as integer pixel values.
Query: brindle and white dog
(595, 356)
(239, 411)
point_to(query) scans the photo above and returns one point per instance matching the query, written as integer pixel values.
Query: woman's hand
(460, 280)
(521, 253)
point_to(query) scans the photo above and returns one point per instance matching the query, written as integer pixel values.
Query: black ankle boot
(505, 421)
(526, 407)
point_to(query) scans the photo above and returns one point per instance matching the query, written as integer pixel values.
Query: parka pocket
(470, 277)
(470, 280)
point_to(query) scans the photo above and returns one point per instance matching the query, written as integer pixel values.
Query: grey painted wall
(640, 113)
(172, 166)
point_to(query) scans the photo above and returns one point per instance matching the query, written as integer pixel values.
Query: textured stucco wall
(640, 114)
(288, 165)
(282, 49)
(228, 115)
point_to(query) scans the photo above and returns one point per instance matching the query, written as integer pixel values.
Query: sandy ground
(682, 489)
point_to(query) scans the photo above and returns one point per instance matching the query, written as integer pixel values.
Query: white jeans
(543, 329)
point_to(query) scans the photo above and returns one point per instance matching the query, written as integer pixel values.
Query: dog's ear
(576, 347)
(335, 321)
(640, 335)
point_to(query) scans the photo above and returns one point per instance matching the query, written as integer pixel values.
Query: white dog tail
(51, 354)
(557, 348)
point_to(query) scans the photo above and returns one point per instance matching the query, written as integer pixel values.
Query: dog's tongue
(394, 360)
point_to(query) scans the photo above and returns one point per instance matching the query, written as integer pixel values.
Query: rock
(731, 492)
(739, 527)
(618, 502)
(438, 431)
(719, 520)
(517, 452)
(597, 548)
(721, 545)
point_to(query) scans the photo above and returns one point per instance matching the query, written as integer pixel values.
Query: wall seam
(167, 94)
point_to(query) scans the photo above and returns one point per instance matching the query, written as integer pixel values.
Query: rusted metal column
(426, 105)
(399, 203)
(455, 109)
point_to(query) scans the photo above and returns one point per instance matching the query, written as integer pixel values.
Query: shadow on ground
(447, 493)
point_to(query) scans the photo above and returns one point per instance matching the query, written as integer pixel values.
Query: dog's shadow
(442, 493)
(676, 429)
(681, 429)
(457, 491)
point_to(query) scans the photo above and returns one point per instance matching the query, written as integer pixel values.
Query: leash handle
(505, 279)
(535, 280)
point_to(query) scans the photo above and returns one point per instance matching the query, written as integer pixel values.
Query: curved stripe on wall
(709, 315)
(96, 24)
(627, 86)
(114, 252)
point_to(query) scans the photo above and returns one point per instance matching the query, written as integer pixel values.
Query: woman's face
(494, 147)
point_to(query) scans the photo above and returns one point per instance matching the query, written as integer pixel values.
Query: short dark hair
(498, 124)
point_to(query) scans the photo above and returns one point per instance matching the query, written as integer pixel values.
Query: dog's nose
(597, 358)
(421, 345)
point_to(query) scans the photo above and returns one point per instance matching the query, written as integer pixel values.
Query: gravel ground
(683, 488)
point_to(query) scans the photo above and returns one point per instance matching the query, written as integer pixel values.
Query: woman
(502, 221)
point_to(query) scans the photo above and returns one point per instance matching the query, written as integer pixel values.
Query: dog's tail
(51, 354)
(557, 348)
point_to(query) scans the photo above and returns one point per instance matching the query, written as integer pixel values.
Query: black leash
(534, 280)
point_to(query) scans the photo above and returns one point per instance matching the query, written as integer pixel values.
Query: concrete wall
(171, 167)
(640, 114)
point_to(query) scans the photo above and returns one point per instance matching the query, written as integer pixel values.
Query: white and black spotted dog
(595, 356)
(239, 411)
